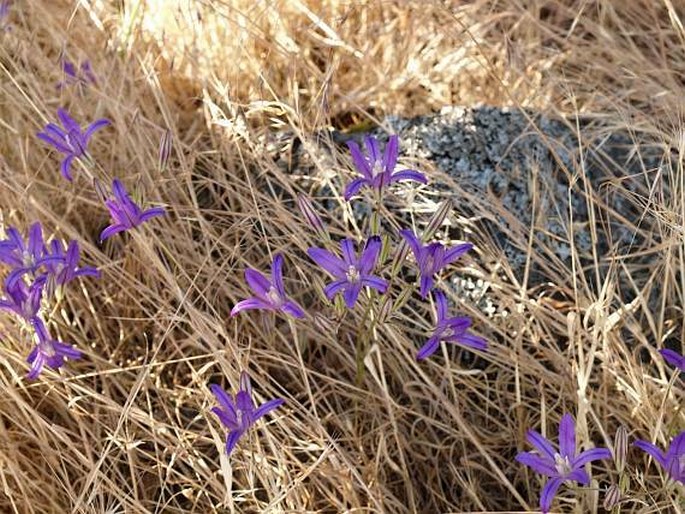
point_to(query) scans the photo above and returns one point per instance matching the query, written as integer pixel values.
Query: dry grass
(127, 429)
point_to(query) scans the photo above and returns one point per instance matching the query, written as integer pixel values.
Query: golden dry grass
(128, 428)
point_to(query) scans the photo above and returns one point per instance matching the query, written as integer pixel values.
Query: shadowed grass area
(128, 428)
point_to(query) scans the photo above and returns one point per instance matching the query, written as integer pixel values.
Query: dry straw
(128, 428)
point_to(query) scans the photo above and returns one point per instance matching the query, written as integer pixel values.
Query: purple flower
(70, 140)
(269, 294)
(4, 14)
(351, 273)
(24, 257)
(65, 266)
(452, 330)
(125, 213)
(673, 358)
(378, 172)
(48, 352)
(82, 76)
(23, 300)
(673, 461)
(239, 414)
(562, 465)
(432, 257)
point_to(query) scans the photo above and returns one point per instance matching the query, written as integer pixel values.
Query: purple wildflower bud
(432, 257)
(238, 414)
(82, 77)
(24, 257)
(269, 294)
(70, 140)
(4, 14)
(378, 172)
(673, 461)
(351, 273)
(563, 465)
(673, 358)
(165, 147)
(66, 268)
(23, 300)
(125, 213)
(451, 330)
(310, 214)
(48, 352)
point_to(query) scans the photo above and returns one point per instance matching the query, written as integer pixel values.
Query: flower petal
(53, 142)
(65, 167)
(94, 127)
(453, 254)
(548, 492)
(377, 283)
(334, 288)
(425, 285)
(351, 294)
(590, 455)
(359, 160)
(250, 303)
(232, 439)
(428, 349)
(348, 252)
(537, 464)
(580, 476)
(567, 436)
(293, 309)
(369, 256)
(68, 122)
(277, 274)
(332, 264)
(472, 341)
(259, 284)
(652, 450)
(111, 230)
(541, 444)
(151, 213)
(413, 242)
(224, 400)
(390, 154)
(440, 305)
(673, 358)
(414, 175)
(353, 187)
(267, 407)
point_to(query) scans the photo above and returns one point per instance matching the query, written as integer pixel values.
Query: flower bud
(310, 214)
(620, 448)
(165, 145)
(612, 497)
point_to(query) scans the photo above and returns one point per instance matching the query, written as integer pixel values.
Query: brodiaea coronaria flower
(431, 258)
(269, 294)
(66, 268)
(24, 257)
(562, 465)
(673, 358)
(23, 300)
(125, 213)
(48, 351)
(239, 414)
(351, 272)
(81, 76)
(378, 172)
(451, 330)
(673, 461)
(70, 139)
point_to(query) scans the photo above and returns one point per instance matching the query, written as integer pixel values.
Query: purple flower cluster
(80, 77)
(353, 273)
(33, 265)
(38, 270)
